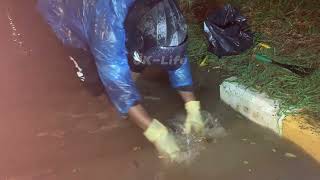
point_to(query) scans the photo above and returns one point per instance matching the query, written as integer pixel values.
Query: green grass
(292, 28)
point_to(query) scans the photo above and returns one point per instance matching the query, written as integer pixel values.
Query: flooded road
(52, 129)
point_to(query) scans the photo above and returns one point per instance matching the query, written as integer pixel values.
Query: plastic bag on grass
(227, 32)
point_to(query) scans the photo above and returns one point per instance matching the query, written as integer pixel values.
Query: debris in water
(76, 170)
(56, 134)
(137, 148)
(38, 175)
(245, 162)
(152, 98)
(290, 155)
(274, 150)
(161, 157)
(76, 116)
(102, 115)
(192, 144)
(104, 129)
(42, 134)
(244, 140)
(136, 164)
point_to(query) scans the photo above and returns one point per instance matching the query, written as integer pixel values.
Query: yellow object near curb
(264, 45)
(304, 132)
(263, 110)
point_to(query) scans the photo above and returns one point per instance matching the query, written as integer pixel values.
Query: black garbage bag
(228, 32)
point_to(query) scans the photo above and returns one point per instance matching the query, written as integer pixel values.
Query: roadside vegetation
(290, 27)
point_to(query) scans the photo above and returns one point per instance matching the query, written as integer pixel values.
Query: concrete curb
(261, 109)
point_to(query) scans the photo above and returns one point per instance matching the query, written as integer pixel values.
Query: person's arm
(140, 117)
(122, 92)
(187, 96)
(107, 42)
(181, 79)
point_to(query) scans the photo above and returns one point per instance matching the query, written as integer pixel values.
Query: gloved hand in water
(165, 142)
(194, 121)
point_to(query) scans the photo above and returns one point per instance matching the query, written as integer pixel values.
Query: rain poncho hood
(98, 26)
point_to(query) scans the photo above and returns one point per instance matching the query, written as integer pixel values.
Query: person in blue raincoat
(124, 37)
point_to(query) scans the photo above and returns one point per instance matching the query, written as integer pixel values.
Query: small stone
(245, 162)
(244, 139)
(250, 170)
(274, 150)
(253, 143)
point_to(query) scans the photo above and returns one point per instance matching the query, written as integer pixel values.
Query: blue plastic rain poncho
(99, 26)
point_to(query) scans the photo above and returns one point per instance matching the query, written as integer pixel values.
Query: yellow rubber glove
(159, 135)
(194, 119)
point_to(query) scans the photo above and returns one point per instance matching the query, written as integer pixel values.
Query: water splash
(192, 144)
(16, 36)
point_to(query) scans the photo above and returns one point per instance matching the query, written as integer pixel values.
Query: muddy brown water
(52, 129)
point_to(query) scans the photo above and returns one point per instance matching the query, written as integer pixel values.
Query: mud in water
(192, 144)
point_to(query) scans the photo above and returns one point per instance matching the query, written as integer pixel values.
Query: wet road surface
(52, 129)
